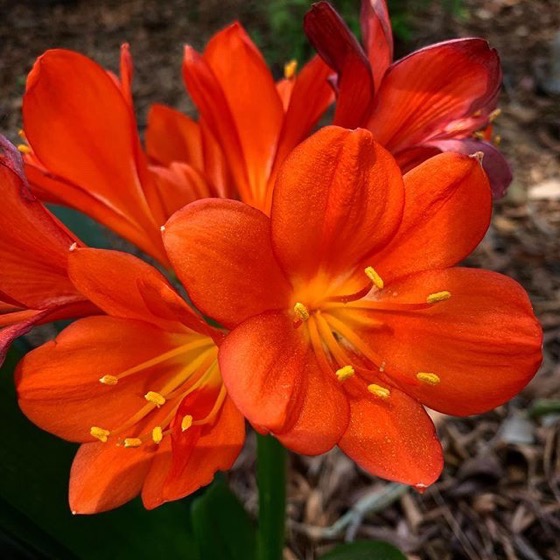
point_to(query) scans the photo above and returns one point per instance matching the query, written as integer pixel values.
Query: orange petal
(85, 135)
(441, 225)
(104, 477)
(220, 250)
(254, 103)
(377, 37)
(215, 448)
(338, 198)
(283, 389)
(172, 136)
(422, 94)
(394, 439)
(124, 286)
(484, 343)
(58, 383)
(338, 47)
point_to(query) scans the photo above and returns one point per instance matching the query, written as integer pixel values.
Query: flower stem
(271, 479)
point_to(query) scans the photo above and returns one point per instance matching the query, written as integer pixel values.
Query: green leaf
(221, 525)
(364, 550)
(34, 512)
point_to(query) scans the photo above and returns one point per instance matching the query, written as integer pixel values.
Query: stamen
(73, 246)
(186, 423)
(494, 115)
(99, 433)
(132, 442)
(438, 296)
(345, 373)
(24, 149)
(381, 392)
(301, 311)
(162, 229)
(290, 69)
(155, 398)
(157, 434)
(428, 378)
(109, 380)
(374, 277)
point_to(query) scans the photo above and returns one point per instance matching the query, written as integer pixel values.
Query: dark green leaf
(364, 550)
(222, 528)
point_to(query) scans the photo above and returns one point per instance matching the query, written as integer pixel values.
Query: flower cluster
(324, 302)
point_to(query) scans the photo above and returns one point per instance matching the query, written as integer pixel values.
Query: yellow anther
(301, 311)
(155, 398)
(21, 134)
(99, 433)
(378, 391)
(290, 69)
(437, 297)
(374, 277)
(109, 380)
(157, 434)
(132, 442)
(429, 378)
(494, 115)
(186, 423)
(24, 148)
(344, 373)
(497, 140)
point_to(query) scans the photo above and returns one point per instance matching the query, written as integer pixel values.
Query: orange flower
(139, 387)
(248, 123)
(84, 151)
(347, 315)
(436, 99)
(34, 286)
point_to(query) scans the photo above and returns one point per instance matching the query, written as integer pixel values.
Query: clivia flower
(346, 312)
(248, 122)
(440, 98)
(34, 285)
(139, 388)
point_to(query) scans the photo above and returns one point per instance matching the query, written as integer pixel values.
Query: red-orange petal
(172, 136)
(338, 199)
(377, 37)
(338, 47)
(58, 383)
(250, 93)
(483, 343)
(124, 286)
(104, 477)
(426, 91)
(394, 439)
(221, 252)
(274, 379)
(440, 225)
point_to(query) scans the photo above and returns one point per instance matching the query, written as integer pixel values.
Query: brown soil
(499, 496)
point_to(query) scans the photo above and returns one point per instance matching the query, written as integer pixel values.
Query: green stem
(271, 479)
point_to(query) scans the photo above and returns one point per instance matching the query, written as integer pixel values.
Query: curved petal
(216, 449)
(122, 284)
(81, 128)
(493, 162)
(377, 37)
(335, 43)
(104, 477)
(220, 250)
(338, 198)
(274, 379)
(394, 439)
(483, 344)
(172, 136)
(424, 92)
(447, 211)
(58, 383)
(34, 245)
(250, 92)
